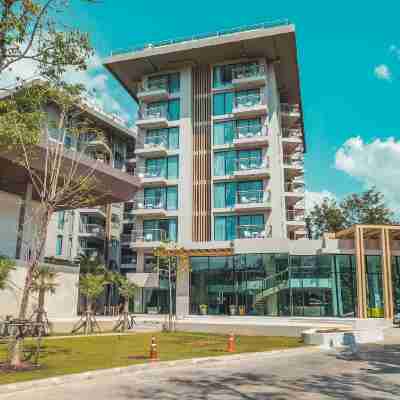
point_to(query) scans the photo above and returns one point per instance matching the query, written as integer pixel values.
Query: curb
(90, 375)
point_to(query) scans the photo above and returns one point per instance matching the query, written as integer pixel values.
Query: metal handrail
(156, 140)
(248, 100)
(144, 46)
(159, 83)
(247, 70)
(251, 196)
(249, 131)
(249, 163)
(92, 229)
(274, 280)
(149, 235)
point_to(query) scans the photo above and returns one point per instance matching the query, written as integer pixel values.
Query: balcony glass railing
(153, 84)
(250, 70)
(149, 235)
(156, 141)
(293, 215)
(245, 132)
(251, 197)
(153, 112)
(151, 171)
(247, 101)
(252, 232)
(249, 163)
(149, 203)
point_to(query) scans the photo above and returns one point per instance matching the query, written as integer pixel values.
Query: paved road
(373, 374)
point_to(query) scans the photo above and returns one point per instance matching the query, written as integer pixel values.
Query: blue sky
(349, 54)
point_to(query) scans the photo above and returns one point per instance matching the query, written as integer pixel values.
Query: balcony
(93, 230)
(153, 117)
(253, 232)
(294, 164)
(251, 167)
(295, 218)
(154, 146)
(252, 200)
(250, 136)
(152, 175)
(294, 193)
(248, 106)
(150, 206)
(153, 90)
(147, 239)
(292, 140)
(128, 262)
(248, 76)
(99, 211)
(290, 112)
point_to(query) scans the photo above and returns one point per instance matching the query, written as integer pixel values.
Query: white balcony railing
(153, 113)
(292, 133)
(150, 172)
(149, 203)
(246, 132)
(92, 229)
(251, 163)
(146, 235)
(156, 141)
(153, 84)
(247, 101)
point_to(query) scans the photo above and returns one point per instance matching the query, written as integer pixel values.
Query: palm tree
(44, 281)
(127, 290)
(6, 266)
(91, 286)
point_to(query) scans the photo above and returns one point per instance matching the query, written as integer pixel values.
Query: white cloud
(383, 72)
(316, 198)
(95, 80)
(374, 164)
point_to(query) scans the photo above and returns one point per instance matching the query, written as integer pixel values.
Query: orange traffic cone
(231, 343)
(153, 350)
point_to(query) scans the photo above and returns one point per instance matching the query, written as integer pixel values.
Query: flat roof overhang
(276, 44)
(112, 185)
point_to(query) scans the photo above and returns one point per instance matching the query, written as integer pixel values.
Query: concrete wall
(61, 304)
(9, 215)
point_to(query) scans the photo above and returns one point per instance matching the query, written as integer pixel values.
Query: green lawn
(73, 355)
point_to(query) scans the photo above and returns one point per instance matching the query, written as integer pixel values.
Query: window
(171, 82)
(174, 109)
(172, 198)
(250, 192)
(59, 245)
(224, 163)
(173, 167)
(61, 220)
(222, 75)
(223, 132)
(230, 227)
(224, 194)
(249, 159)
(118, 160)
(225, 227)
(156, 167)
(162, 229)
(222, 103)
(174, 83)
(70, 244)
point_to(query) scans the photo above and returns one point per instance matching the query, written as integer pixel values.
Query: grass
(74, 355)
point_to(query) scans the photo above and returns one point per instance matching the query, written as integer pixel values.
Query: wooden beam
(387, 274)
(346, 233)
(360, 273)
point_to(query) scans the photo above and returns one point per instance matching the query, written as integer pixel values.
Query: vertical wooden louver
(202, 152)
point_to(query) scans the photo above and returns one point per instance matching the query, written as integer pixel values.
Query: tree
(91, 286)
(31, 30)
(44, 281)
(61, 184)
(6, 266)
(368, 207)
(127, 290)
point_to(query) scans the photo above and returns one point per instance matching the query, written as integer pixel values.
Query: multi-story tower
(95, 231)
(219, 140)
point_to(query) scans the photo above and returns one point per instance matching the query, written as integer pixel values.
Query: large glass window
(248, 98)
(172, 197)
(224, 132)
(160, 229)
(224, 163)
(168, 138)
(59, 245)
(396, 283)
(163, 167)
(224, 194)
(222, 103)
(222, 76)
(61, 220)
(171, 82)
(374, 287)
(230, 227)
(174, 109)
(273, 284)
(249, 159)
(248, 127)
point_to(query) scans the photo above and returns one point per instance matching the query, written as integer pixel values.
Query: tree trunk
(41, 302)
(126, 314)
(88, 325)
(17, 347)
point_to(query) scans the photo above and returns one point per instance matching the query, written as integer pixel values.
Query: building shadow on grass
(355, 377)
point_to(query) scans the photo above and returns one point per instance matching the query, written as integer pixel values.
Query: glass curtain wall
(396, 283)
(374, 287)
(274, 285)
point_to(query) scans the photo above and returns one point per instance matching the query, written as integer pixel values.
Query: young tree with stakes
(127, 290)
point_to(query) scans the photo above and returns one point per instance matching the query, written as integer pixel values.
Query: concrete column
(275, 156)
(140, 261)
(182, 291)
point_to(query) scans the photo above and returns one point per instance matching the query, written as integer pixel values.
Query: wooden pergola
(385, 234)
